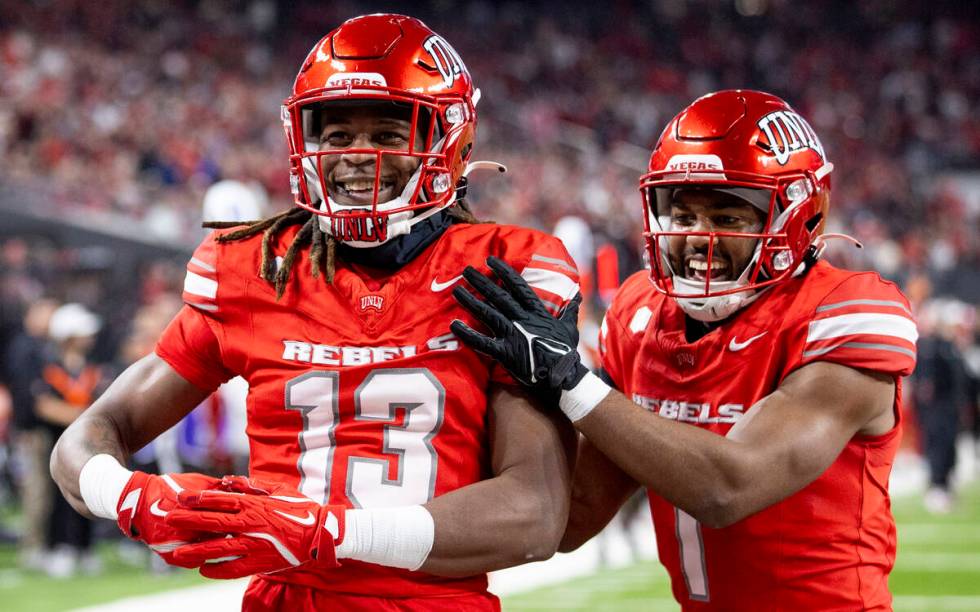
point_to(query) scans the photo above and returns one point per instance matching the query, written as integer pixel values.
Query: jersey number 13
(379, 399)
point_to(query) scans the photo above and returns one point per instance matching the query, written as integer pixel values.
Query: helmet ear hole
(814, 222)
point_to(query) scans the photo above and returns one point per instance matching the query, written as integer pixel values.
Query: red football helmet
(378, 59)
(753, 145)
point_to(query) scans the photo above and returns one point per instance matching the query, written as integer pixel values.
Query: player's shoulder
(511, 243)
(636, 293)
(828, 288)
(854, 318)
(219, 265)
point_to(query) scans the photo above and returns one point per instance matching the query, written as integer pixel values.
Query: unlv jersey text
(691, 412)
(325, 354)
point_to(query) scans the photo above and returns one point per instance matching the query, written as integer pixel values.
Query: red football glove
(269, 527)
(146, 500)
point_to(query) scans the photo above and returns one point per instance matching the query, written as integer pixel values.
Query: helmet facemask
(769, 260)
(367, 191)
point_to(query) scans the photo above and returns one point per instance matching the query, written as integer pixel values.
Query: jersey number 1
(379, 398)
(692, 555)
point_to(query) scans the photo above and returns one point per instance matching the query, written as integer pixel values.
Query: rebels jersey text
(831, 545)
(358, 392)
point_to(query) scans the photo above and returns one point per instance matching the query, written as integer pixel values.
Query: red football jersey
(831, 545)
(358, 392)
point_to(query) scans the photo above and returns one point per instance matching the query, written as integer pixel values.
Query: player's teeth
(701, 266)
(359, 185)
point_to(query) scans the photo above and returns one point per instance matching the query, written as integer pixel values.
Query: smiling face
(709, 210)
(350, 177)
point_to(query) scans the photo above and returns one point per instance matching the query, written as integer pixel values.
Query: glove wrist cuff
(101, 483)
(332, 521)
(582, 399)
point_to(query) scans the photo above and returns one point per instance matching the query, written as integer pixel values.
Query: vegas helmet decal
(445, 59)
(787, 133)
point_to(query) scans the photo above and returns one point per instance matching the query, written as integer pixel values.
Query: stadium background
(117, 116)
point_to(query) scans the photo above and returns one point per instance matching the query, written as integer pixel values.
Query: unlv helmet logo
(445, 58)
(787, 133)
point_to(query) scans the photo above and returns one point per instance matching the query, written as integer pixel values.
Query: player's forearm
(494, 524)
(702, 473)
(91, 434)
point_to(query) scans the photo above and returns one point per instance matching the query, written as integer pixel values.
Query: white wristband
(101, 482)
(583, 397)
(396, 537)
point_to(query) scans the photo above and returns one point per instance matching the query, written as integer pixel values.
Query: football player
(753, 389)
(391, 467)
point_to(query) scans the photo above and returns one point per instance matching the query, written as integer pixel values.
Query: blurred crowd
(126, 112)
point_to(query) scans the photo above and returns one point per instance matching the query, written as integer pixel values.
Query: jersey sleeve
(550, 271)
(191, 343)
(191, 348)
(863, 323)
(546, 266)
(201, 279)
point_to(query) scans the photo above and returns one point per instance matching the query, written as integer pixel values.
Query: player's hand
(145, 502)
(266, 528)
(538, 349)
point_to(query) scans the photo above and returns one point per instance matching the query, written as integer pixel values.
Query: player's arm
(519, 514)
(148, 398)
(515, 516)
(782, 444)
(599, 490)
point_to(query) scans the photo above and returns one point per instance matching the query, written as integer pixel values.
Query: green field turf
(34, 592)
(938, 569)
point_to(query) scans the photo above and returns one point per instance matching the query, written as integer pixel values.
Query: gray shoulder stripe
(889, 303)
(200, 264)
(861, 345)
(560, 263)
(555, 308)
(209, 307)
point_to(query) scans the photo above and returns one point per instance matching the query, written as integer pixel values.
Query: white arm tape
(396, 537)
(101, 482)
(583, 397)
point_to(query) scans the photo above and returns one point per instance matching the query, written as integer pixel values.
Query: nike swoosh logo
(155, 509)
(735, 345)
(307, 521)
(437, 286)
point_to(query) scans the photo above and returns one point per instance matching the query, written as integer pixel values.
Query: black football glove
(538, 349)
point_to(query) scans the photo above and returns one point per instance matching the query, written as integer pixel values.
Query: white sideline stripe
(553, 282)
(217, 596)
(195, 284)
(863, 323)
(920, 603)
(203, 265)
(938, 562)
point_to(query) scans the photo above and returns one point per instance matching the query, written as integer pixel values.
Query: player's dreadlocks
(324, 247)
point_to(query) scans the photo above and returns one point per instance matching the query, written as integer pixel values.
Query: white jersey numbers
(403, 409)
